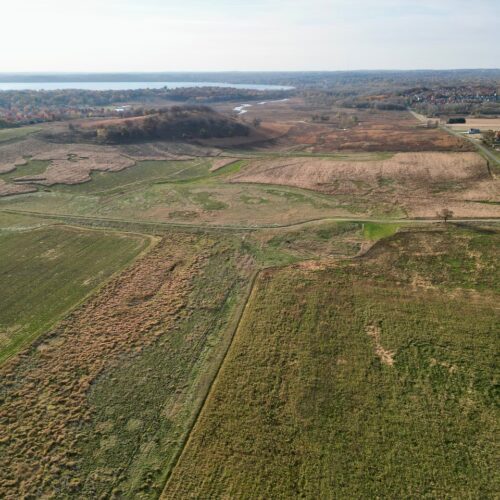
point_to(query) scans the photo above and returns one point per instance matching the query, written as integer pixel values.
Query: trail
(237, 227)
(187, 437)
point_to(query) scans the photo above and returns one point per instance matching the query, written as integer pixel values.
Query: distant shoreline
(129, 85)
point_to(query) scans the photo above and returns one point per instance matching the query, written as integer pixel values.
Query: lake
(131, 85)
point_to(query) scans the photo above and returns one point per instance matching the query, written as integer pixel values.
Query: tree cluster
(175, 123)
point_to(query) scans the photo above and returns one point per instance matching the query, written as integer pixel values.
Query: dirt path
(239, 316)
(234, 227)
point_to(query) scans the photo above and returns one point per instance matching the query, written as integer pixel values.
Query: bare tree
(445, 214)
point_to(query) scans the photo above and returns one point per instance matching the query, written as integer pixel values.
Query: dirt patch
(386, 357)
(7, 189)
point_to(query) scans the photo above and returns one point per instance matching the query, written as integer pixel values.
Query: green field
(10, 134)
(365, 379)
(44, 272)
(144, 173)
(373, 231)
(32, 167)
(186, 191)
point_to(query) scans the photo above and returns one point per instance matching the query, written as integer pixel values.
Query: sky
(247, 35)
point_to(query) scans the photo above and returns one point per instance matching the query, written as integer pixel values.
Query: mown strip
(45, 272)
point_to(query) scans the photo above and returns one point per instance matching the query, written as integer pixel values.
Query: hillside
(174, 123)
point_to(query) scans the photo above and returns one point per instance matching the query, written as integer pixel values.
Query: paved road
(492, 157)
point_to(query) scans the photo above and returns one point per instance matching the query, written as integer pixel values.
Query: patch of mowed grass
(10, 134)
(20, 222)
(44, 272)
(306, 407)
(376, 231)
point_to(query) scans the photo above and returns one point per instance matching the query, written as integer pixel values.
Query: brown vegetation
(411, 170)
(43, 390)
(7, 189)
(376, 131)
(350, 129)
(73, 166)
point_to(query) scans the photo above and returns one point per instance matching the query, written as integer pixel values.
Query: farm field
(370, 378)
(480, 123)
(48, 270)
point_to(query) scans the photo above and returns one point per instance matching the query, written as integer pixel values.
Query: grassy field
(46, 271)
(16, 133)
(209, 199)
(131, 367)
(17, 222)
(366, 379)
(145, 172)
(32, 167)
(373, 231)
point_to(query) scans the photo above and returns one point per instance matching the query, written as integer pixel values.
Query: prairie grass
(306, 405)
(120, 380)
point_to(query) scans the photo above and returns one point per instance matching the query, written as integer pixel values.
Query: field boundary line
(150, 242)
(187, 438)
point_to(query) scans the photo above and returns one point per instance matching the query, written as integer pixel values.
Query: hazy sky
(189, 35)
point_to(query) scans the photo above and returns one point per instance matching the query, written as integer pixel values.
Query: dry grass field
(415, 171)
(420, 183)
(376, 131)
(480, 123)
